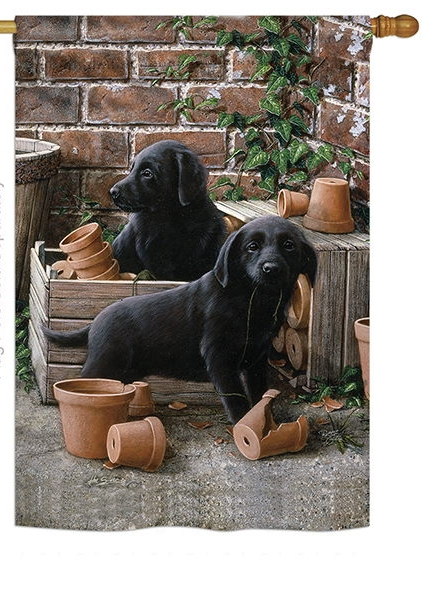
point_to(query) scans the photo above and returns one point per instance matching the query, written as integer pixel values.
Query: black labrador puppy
(174, 231)
(218, 328)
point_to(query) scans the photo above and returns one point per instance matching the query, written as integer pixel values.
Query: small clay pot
(292, 204)
(330, 207)
(361, 327)
(93, 265)
(83, 241)
(88, 408)
(232, 223)
(127, 276)
(299, 309)
(142, 404)
(64, 271)
(257, 435)
(111, 273)
(297, 348)
(138, 444)
(279, 341)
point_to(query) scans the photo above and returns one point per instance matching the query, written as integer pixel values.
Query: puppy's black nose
(271, 268)
(115, 192)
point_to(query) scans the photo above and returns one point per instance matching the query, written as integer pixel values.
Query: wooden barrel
(36, 164)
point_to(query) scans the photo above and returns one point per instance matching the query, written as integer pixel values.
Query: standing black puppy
(174, 230)
(217, 328)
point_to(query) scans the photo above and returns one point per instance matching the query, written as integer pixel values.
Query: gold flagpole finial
(401, 26)
(8, 27)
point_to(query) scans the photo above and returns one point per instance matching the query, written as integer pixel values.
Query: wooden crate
(65, 305)
(340, 295)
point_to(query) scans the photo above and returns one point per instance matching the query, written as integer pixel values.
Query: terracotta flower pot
(64, 271)
(93, 265)
(142, 404)
(279, 341)
(297, 348)
(88, 408)
(257, 435)
(111, 273)
(83, 241)
(361, 327)
(138, 444)
(292, 204)
(232, 223)
(299, 309)
(330, 207)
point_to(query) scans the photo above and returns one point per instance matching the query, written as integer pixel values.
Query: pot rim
(113, 270)
(127, 388)
(89, 229)
(89, 261)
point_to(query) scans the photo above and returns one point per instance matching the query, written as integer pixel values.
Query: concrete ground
(200, 484)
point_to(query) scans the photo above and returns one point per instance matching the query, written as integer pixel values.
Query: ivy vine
(275, 140)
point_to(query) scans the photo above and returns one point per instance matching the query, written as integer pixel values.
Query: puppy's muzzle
(115, 192)
(271, 269)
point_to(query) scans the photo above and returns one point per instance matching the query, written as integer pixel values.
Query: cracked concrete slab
(200, 484)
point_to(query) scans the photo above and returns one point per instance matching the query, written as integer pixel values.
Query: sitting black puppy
(218, 328)
(174, 231)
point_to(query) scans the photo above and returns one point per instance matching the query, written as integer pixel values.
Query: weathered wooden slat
(39, 363)
(38, 318)
(356, 302)
(39, 280)
(72, 308)
(63, 288)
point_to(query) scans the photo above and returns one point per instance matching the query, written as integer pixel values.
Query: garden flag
(192, 259)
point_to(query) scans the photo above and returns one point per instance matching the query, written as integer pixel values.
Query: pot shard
(257, 435)
(139, 444)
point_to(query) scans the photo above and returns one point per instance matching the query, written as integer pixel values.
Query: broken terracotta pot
(361, 327)
(83, 241)
(232, 223)
(292, 204)
(330, 207)
(138, 444)
(64, 271)
(142, 404)
(93, 265)
(88, 408)
(111, 273)
(257, 435)
(300, 304)
(297, 348)
(279, 341)
(127, 276)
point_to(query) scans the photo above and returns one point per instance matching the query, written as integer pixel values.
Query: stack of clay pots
(89, 257)
(292, 338)
(94, 415)
(328, 210)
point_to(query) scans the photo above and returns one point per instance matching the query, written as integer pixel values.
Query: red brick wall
(84, 83)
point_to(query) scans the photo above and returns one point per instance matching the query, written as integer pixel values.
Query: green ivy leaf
(225, 119)
(268, 184)
(270, 24)
(284, 129)
(235, 194)
(344, 167)
(298, 177)
(326, 152)
(253, 118)
(207, 103)
(312, 94)
(299, 124)
(281, 159)
(272, 104)
(256, 157)
(251, 134)
(297, 150)
(220, 182)
(262, 70)
(235, 153)
(224, 38)
(282, 46)
(276, 81)
(313, 161)
(347, 152)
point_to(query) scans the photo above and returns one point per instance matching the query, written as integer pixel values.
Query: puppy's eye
(288, 245)
(253, 246)
(147, 174)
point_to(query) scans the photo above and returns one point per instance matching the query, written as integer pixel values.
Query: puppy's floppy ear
(309, 261)
(192, 178)
(222, 267)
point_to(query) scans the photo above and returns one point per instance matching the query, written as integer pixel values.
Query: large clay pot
(330, 207)
(297, 348)
(88, 408)
(111, 273)
(361, 327)
(257, 435)
(138, 444)
(292, 204)
(83, 241)
(142, 404)
(93, 265)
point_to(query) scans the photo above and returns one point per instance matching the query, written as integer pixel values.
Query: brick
(83, 148)
(244, 65)
(44, 104)
(67, 185)
(129, 105)
(26, 133)
(334, 75)
(207, 35)
(344, 126)
(128, 29)
(46, 29)
(210, 63)
(85, 63)
(210, 146)
(232, 99)
(98, 184)
(362, 84)
(25, 64)
(342, 41)
(360, 187)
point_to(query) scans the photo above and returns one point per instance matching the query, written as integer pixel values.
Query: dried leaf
(200, 424)
(280, 362)
(110, 465)
(321, 421)
(330, 404)
(317, 404)
(219, 440)
(176, 405)
(229, 430)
